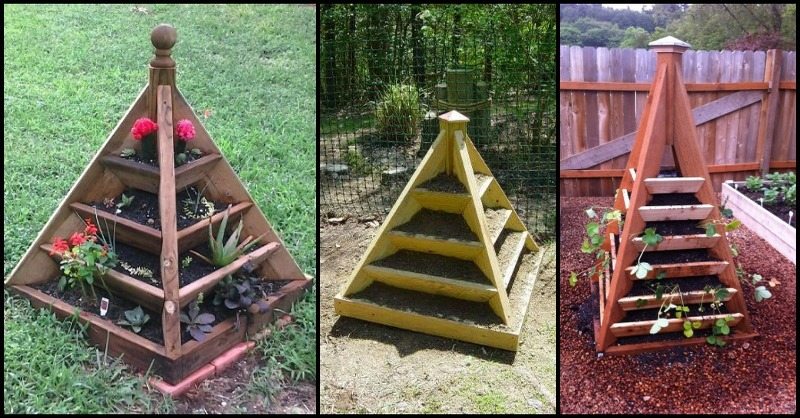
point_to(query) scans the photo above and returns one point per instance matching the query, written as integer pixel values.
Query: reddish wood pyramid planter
(107, 176)
(666, 122)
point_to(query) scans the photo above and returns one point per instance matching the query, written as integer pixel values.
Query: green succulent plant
(135, 318)
(225, 252)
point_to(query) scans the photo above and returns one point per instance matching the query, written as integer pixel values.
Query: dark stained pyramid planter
(107, 176)
(674, 206)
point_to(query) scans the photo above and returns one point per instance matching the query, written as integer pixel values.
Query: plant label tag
(103, 307)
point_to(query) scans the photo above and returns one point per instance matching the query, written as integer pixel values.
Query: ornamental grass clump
(398, 113)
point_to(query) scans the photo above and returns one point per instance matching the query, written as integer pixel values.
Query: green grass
(70, 73)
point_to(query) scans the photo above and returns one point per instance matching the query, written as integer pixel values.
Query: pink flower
(185, 130)
(91, 229)
(77, 239)
(60, 246)
(143, 127)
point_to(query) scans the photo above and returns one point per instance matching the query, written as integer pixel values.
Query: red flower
(91, 229)
(143, 127)
(185, 130)
(60, 246)
(77, 239)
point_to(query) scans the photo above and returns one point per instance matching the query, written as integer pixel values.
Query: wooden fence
(744, 106)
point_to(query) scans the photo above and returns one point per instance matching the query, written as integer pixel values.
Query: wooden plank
(465, 250)
(629, 329)
(788, 85)
(662, 185)
(613, 250)
(194, 235)
(505, 340)
(779, 234)
(674, 212)
(645, 87)
(620, 146)
(626, 199)
(223, 337)
(124, 230)
(633, 173)
(632, 303)
(715, 168)
(170, 317)
(459, 289)
(441, 201)
(630, 349)
(678, 242)
(133, 174)
(505, 215)
(676, 271)
(189, 292)
(484, 182)
(769, 111)
(602, 293)
(265, 311)
(191, 173)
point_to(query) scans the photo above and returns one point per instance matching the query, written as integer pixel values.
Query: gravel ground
(758, 376)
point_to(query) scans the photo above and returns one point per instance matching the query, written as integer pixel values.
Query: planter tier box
(779, 234)
(107, 176)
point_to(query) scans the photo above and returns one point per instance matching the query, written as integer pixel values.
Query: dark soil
(435, 265)
(145, 208)
(444, 183)
(661, 336)
(438, 224)
(673, 199)
(687, 284)
(669, 173)
(729, 380)
(780, 209)
(670, 228)
(677, 256)
(429, 305)
(140, 258)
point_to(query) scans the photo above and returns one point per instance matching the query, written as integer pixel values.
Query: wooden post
(451, 122)
(162, 66)
(769, 110)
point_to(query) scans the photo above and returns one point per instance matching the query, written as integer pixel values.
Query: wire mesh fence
(388, 71)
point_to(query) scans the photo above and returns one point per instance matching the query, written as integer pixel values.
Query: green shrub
(398, 113)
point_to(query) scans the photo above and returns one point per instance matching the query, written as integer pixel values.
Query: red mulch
(758, 376)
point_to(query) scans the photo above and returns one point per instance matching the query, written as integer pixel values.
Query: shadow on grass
(409, 342)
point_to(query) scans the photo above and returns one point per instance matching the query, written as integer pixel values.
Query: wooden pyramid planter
(452, 258)
(675, 206)
(161, 238)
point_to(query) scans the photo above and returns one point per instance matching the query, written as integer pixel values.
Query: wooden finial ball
(164, 36)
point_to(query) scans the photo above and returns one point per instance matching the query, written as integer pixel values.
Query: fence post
(769, 110)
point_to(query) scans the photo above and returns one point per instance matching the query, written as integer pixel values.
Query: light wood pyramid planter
(666, 125)
(107, 176)
(452, 258)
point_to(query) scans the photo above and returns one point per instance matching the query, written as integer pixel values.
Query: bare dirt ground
(756, 376)
(371, 368)
(228, 394)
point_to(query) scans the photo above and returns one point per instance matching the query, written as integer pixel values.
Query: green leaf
(711, 230)
(642, 269)
(719, 322)
(592, 229)
(586, 248)
(687, 325)
(661, 275)
(591, 213)
(678, 314)
(596, 240)
(756, 278)
(640, 303)
(725, 329)
(726, 212)
(762, 293)
(697, 324)
(711, 339)
(650, 237)
(659, 292)
(573, 279)
(688, 332)
(721, 294)
(733, 225)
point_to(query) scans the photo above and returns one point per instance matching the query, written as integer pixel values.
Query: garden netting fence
(388, 71)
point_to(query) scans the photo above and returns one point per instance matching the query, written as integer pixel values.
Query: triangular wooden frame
(452, 153)
(107, 175)
(666, 121)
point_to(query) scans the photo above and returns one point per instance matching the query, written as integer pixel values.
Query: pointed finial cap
(453, 116)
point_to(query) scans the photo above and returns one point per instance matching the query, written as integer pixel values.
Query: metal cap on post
(670, 51)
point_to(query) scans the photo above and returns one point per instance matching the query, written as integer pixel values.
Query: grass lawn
(70, 73)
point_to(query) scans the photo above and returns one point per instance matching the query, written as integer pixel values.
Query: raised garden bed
(141, 253)
(764, 223)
